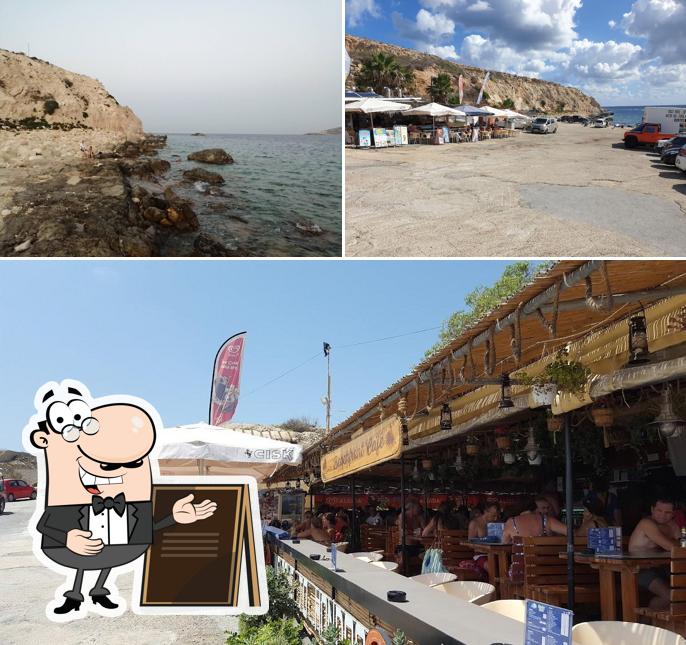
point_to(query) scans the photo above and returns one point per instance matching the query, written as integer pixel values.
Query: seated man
(657, 532)
(534, 523)
(414, 525)
(304, 525)
(316, 532)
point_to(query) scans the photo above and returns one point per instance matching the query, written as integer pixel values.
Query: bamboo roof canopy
(570, 302)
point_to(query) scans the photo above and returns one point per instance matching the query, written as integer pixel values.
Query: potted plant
(603, 415)
(427, 463)
(562, 374)
(472, 446)
(502, 439)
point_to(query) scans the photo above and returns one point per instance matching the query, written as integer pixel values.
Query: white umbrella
(516, 115)
(494, 111)
(435, 109)
(211, 450)
(372, 105)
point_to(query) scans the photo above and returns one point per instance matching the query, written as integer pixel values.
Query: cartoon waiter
(98, 484)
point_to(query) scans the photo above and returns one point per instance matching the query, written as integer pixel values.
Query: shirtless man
(304, 525)
(414, 525)
(534, 523)
(655, 533)
(316, 532)
(478, 527)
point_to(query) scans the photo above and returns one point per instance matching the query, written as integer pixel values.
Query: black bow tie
(118, 504)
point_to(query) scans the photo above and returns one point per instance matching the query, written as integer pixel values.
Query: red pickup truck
(646, 133)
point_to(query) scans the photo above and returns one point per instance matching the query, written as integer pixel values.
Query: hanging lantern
(667, 421)
(533, 451)
(446, 417)
(638, 340)
(458, 461)
(505, 392)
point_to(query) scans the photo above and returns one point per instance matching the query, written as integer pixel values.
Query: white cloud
(521, 24)
(661, 23)
(426, 27)
(355, 10)
(482, 52)
(604, 61)
(612, 24)
(444, 51)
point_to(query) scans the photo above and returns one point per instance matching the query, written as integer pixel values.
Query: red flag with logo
(226, 380)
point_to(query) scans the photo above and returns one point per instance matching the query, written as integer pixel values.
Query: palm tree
(440, 88)
(380, 71)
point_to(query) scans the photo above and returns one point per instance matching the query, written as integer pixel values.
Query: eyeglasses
(71, 432)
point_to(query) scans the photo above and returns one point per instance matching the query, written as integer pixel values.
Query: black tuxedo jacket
(57, 521)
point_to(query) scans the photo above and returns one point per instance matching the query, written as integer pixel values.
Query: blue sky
(152, 329)
(207, 65)
(622, 52)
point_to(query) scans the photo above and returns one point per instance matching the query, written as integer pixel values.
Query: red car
(17, 488)
(2, 496)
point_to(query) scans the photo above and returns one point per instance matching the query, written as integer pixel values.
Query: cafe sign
(378, 444)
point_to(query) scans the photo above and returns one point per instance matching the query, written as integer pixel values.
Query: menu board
(547, 624)
(199, 564)
(605, 540)
(380, 139)
(446, 135)
(398, 135)
(403, 135)
(365, 138)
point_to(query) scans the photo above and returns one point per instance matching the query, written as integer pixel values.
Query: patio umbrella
(372, 105)
(472, 111)
(435, 109)
(211, 450)
(495, 111)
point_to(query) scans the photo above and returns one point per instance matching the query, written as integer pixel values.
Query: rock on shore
(213, 155)
(199, 174)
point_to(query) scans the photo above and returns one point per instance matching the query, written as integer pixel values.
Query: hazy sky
(152, 329)
(225, 66)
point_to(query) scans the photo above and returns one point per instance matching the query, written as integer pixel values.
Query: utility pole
(327, 353)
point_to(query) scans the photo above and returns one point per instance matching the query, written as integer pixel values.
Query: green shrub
(50, 106)
(85, 115)
(283, 631)
(281, 601)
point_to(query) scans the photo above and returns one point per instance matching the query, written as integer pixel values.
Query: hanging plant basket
(472, 449)
(603, 417)
(554, 423)
(503, 443)
(427, 463)
(543, 394)
(566, 375)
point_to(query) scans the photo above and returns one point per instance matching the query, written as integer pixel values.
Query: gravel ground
(27, 587)
(578, 192)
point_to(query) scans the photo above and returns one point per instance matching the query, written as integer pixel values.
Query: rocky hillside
(527, 93)
(18, 465)
(35, 94)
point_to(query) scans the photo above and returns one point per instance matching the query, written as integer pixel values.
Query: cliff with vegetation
(37, 95)
(416, 71)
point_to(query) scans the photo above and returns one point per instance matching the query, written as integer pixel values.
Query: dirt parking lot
(27, 586)
(577, 192)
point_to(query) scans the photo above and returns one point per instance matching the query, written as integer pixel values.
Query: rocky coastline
(116, 204)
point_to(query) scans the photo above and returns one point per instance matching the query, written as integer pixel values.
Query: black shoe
(68, 605)
(104, 601)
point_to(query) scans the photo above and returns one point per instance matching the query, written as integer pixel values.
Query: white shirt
(108, 526)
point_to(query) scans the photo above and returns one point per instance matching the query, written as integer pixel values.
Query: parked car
(670, 154)
(18, 489)
(674, 142)
(681, 159)
(2, 496)
(602, 122)
(544, 125)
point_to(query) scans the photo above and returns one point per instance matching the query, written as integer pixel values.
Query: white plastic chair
(477, 593)
(389, 566)
(432, 579)
(368, 556)
(603, 632)
(515, 609)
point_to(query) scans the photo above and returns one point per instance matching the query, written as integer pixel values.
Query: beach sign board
(365, 138)
(380, 139)
(380, 443)
(398, 135)
(547, 624)
(446, 135)
(403, 133)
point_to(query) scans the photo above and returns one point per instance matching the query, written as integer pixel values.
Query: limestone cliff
(34, 93)
(527, 93)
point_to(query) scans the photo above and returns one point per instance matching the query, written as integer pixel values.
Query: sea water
(283, 193)
(630, 115)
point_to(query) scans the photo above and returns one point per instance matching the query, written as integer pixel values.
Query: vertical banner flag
(226, 380)
(460, 88)
(483, 87)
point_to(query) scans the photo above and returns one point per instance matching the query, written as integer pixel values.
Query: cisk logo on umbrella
(103, 509)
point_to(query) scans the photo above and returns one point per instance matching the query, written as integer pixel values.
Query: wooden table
(498, 555)
(628, 566)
